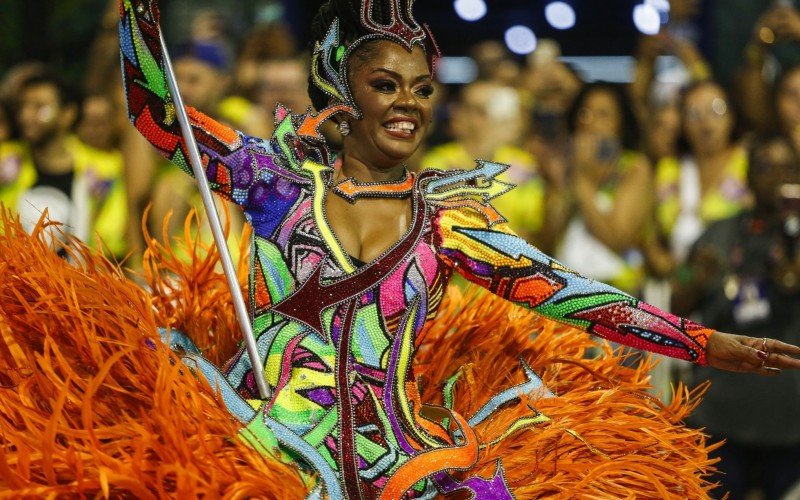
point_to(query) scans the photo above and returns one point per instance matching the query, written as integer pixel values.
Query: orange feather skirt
(91, 402)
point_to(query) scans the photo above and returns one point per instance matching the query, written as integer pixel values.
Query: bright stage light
(663, 8)
(659, 5)
(560, 15)
(521, 40)
(470, 10)
(647, 19)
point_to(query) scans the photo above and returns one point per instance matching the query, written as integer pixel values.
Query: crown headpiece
(402, 27)
(330, 58)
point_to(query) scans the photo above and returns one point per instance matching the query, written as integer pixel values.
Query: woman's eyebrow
(398, 76)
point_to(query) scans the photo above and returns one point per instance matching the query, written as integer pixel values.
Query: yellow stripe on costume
(402, 368)
(319, 215)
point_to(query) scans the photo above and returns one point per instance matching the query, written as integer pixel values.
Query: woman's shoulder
(668, 170)
(739, 163)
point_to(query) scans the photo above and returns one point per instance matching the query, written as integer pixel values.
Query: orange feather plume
(92, 403)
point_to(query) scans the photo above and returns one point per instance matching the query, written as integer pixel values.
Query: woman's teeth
(401, 126)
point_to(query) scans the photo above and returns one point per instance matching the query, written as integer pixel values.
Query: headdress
(331, 55)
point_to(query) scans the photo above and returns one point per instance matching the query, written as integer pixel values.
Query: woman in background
(609, 176)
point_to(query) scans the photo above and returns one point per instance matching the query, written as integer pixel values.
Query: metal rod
(216, 227)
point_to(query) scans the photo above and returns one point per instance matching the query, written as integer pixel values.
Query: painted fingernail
(762, 355)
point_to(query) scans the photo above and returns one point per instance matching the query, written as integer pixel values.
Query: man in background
(49, 169)
(744, 275)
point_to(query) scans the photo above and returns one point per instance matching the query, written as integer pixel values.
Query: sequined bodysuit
(338, 340)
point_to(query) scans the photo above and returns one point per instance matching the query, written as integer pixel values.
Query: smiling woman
(350, 259)
(352, 256)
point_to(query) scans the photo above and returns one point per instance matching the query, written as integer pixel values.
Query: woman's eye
(384, 86)
(425, 91)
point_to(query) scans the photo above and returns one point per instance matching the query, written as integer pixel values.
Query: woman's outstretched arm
(230, 167)
(492, 256)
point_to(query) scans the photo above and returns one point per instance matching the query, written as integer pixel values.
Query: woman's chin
(398, 154)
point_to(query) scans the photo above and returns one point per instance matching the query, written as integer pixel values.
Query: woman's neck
(716, 156)
(53, 156)
(363, 173)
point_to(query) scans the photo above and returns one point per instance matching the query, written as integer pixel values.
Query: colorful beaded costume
(326, 328)
(91, 404)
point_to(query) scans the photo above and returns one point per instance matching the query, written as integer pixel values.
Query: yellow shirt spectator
(682, 210)
(97, 191)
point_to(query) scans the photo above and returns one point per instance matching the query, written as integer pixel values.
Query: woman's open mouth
(401, 128)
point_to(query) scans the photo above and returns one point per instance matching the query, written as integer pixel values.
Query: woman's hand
(591, 160)
(764, 356)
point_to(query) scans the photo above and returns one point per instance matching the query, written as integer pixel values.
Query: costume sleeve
(492, 256)
(231, 158)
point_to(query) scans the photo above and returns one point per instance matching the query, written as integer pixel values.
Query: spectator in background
(778, 27)
(662, 129)
(649, 84)
(99, 127)
(609, 175)
(284, 81)
(551, 84)
(264, 43)
(495, 62)
(655, 90)
(487, 123)
(6, 122)
(552, 87)
(708, 183)
(15, 78)
(203, 73)
(744, 274)
(755, 30)
(787, 105)
(51, 169)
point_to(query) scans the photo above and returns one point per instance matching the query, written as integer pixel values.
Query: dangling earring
(344, 128)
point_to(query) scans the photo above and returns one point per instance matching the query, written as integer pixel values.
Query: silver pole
(216, 226)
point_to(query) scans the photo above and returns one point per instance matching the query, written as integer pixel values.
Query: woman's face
(708, 119)
(393, 89)
(600, 115)
(789, 103)
(774, 164)
(663, 131)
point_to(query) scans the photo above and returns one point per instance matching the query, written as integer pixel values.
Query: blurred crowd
(680, 188)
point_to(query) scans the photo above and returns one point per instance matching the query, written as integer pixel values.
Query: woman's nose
(406, 100)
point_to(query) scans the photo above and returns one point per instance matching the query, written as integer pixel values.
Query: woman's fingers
(768, 371)
(764, 356)
(783, 362)
(778, 347)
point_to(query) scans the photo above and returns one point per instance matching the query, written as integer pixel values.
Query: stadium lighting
(470, 10)
(647, 19)
(663, 8)
(521, 40)
(560, 15)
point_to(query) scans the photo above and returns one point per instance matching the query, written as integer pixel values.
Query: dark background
(61, 30)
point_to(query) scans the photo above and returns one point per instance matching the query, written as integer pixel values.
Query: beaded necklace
(351, 190)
